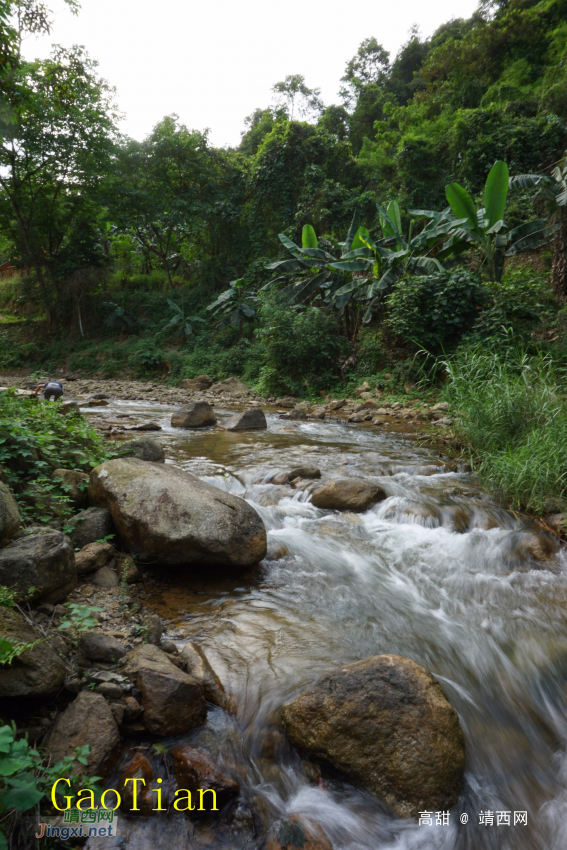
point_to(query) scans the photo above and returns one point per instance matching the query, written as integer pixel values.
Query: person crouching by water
(52, 391)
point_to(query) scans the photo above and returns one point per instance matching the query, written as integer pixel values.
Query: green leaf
(291, 246)
(22, 795)
(308, 237)
(350, 265)
(352, 231)
(462, 204)
(6, 738)
(394, 214)
(9, 766)
(496, 192)
(357, 242)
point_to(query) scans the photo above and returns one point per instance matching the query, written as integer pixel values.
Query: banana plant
(486, 228)
(234, 305)
(375, 266)
(183, 324)
(306, 272)
(553, 188)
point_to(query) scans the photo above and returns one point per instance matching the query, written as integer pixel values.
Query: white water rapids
(433, 573)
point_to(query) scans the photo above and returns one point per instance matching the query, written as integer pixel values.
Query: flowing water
(437, 573)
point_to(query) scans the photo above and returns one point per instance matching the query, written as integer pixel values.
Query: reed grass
(511, 412)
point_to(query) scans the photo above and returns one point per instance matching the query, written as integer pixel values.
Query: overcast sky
(214, 62)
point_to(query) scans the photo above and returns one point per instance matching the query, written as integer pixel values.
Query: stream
(438, 573)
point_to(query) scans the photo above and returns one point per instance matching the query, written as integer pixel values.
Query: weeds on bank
(511, 412)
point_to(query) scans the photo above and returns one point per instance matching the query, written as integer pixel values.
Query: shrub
(434, 311)
(522, 300)
(301, 347)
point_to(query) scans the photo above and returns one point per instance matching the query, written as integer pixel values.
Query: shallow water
(434, 573)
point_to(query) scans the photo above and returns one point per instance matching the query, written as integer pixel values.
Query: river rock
(105, 577)
(144, 448)
(145, 426)
(318, 412)
(97, 646)
(167, 516)
(89, 526)
(311, 472)
(385, 724)
(73, 479)
(347, 494)
(88, 720)
(195, 769)
(198, 414)
(231, 386)
(137, 767)
(294, 833)
(93, 556)
(196, 664)
(9, 514)
(37, 672)
(247, 420)
(173, 701)
(296, 413)
(201, 383)
(45, 562)
(153, 627)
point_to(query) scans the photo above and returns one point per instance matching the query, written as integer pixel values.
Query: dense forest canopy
(90, 217)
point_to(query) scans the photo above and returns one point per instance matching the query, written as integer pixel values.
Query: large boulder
(87, 720)
(194, 769)
(232, 386)
(38, 671)
(9, 514)
(385, 724)
(144, 448)
(72, 480)
(93, 557)
(247, 420)
(348, 494)
(44, 562)
(173, 701)
(198, 414)
(89, 526)
(196, 663)
(167, 516)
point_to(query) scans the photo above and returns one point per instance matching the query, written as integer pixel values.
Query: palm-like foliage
(234, 305)
(486, 229)
(181, 322)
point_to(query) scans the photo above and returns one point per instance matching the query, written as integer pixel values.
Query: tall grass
(512, 413)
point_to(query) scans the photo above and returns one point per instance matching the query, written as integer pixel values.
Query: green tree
(292, 92)
(56, 132)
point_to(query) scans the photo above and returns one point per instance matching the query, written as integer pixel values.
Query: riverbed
(437, 572)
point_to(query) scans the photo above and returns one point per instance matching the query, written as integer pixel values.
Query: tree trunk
(559, 261)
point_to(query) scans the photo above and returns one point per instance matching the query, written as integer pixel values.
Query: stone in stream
(145, 426)
(144, 448)
(87, 720)
(173, 701)
(72, 479)
(385, 724)
(198, 414)
(166, 516)
(44, 562)
(93, 557)
(196, 664)
(311, 472)
(294, 833)
(247, 420)
(153, 627)
(347, 494)
(195, 769)
(137, 767)
(9, 514)
(318, 412)
(89, 526)
(530, 548)
(38, 671)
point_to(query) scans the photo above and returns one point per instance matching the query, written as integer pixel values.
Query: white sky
(214, 62)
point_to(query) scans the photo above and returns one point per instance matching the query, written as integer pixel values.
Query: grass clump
(512, 414)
